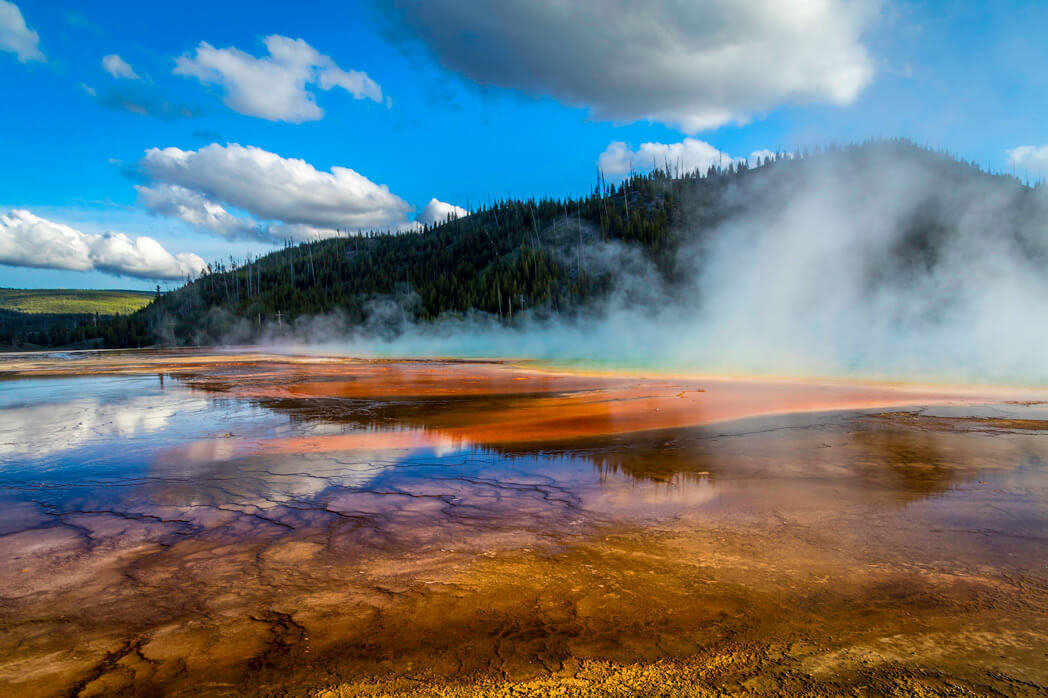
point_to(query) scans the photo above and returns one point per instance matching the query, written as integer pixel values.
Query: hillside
(63, 317)
(643, 241)
(73, 301)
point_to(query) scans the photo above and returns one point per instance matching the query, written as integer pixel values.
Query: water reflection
(400, 472)
(266, 451)
(235, 522)
(42, 418)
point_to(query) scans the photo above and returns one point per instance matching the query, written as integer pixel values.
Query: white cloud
(118, 67)
(27, 240)
(274, 87)
(433, 213)
(1030, 157)
(763, 154)
(306, 201)
(197, 210)
(30, 241)
(692, 64)
(691, 154)
(301, 231)
(16, 37)
(438, 211)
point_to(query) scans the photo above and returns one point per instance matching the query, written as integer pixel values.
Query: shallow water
(248, 524)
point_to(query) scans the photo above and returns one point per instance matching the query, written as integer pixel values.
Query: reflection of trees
(866, 455)
(867, 458)
(912, 462)
(926, 456)
(656, 456)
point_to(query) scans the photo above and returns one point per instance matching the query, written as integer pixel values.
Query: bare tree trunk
(578, 212)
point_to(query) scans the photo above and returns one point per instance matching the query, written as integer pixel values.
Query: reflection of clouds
(225, 473)
(302, 461)
(202, 452)
(266, 473)
(44, 429)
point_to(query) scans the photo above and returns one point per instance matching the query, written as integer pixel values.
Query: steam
(897, 264)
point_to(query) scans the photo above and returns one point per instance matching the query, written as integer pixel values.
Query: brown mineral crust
(688, 536)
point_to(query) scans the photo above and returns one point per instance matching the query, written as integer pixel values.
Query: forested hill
(546, 256)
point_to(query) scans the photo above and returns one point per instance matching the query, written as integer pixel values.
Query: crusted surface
(224, 544)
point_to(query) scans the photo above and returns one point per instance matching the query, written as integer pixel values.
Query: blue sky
(454, 107)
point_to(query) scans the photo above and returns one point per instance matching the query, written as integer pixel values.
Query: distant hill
(73, 301)
(79, 318)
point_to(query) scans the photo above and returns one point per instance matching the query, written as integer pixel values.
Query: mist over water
(898, 264)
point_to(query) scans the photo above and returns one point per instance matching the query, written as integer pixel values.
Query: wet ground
(174, 523)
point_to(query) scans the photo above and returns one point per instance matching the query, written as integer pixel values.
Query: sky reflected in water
(197, 513)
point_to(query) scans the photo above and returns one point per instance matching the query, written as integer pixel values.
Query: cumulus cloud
(305, 202)
(197, 210)
(274, 87)
(118, 67)
(691, 154)
(16, 37)
(1030, 157)
(27, 240)
(692, 64)
(438, 212)
(763, 154)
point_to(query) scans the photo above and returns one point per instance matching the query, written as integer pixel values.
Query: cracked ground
(181, 523)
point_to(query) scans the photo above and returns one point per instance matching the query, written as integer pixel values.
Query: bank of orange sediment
(557, 407)
(551, 405)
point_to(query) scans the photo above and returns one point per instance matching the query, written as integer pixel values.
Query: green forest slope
(73, 301)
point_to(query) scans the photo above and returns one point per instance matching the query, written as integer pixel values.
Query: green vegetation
(73, 301)
(543, 256)
(69, 317)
